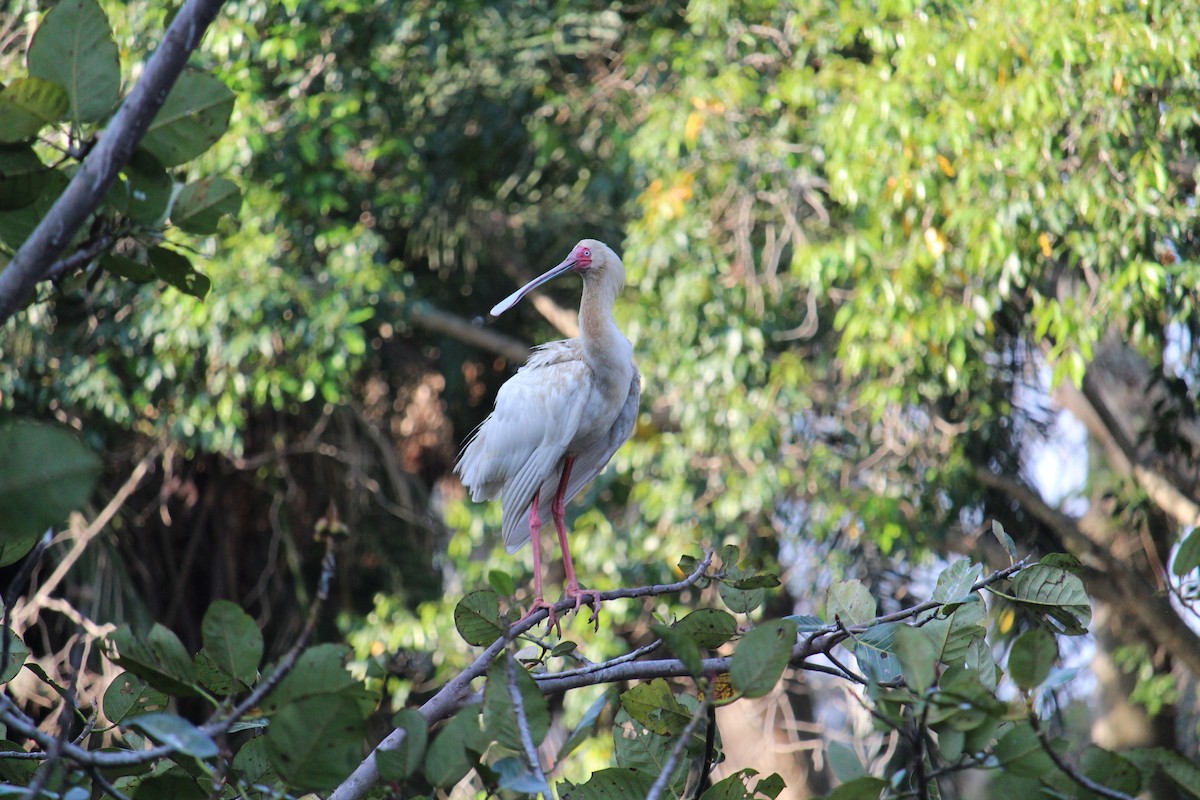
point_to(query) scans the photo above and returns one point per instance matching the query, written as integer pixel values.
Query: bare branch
(99, 169)
(455, 694)
(1070, 771)
(447, 324)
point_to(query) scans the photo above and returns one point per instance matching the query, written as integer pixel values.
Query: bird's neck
(606, 349)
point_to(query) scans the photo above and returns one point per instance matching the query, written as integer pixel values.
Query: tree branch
(455, 694)
(99, 169)
(447, 324)
(1067, 769)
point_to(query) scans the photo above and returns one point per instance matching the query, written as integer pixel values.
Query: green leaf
(952, 636)
(1111, 770)
(16, 772)
(201, 204)
(149, 189)
(131, 694)
(127, 268)
(955, 582)
(74, 48)
(864, 788)
(1033, 654)
(844, 762)
(736, 787)
(850, 602)
(806, 623)
(499, 713)
(918, 659)
(771, 786)
(762, 581)
(195, 114)
(314, 743)
(761, 657)
(1062, 561)
(320, 670)
(232, 641)
(29, 104)
(950, 742)
(477, 617)
(174, 784)
(17, 653)
(740, 601)
(1021, 753)
(587, 725)
(23, 179)
(1005, 540)
(1181, 771)
(399, 764)
(176, 732)
(875, 652)
(637, 747)
(252, 762)
(16, 225)
(614, 783)
(45, 474)
(1187, 557)
(159, 657)
(174, 269)
(682, 646)
(654, 706)
(502, 582)
(1053, 593)
(446, 760)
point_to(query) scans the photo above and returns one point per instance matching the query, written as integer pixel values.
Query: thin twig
(1068, 770)
(664, 776)
(217, 725)
(632, 655)
(531, 753)
(457, 693)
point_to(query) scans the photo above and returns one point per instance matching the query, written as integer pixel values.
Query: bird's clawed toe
(552, 621)
(588, 597)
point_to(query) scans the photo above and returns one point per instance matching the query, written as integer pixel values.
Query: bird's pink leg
(558, 512)
(535, 529)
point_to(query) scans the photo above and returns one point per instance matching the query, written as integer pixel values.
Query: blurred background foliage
(872, 252)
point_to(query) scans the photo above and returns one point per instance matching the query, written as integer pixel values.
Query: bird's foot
(589, 597)
(552, 622)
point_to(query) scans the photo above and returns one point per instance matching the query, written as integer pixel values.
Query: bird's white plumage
(575, 401)
(552, 407)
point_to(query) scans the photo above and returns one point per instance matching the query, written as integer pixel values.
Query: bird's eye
(587, 252)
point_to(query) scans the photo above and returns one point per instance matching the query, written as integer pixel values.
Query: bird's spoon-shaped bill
(515, 297)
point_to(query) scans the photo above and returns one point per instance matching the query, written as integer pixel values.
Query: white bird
(559, 420)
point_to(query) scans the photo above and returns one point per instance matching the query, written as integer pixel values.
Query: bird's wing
(521, 443)
(591, 463)
(588, 464)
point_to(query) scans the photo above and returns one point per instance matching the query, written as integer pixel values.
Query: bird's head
(592, 259)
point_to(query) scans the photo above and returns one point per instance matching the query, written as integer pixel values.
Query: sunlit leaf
(201, 204)
(29, 104)
(195, 114)
(74, 48)
(477, 617)
(850, 602)
(761, 657)
(175, 731)
(130, 694)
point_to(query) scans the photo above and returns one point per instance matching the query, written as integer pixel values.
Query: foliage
(857, 237)
(54, 117)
